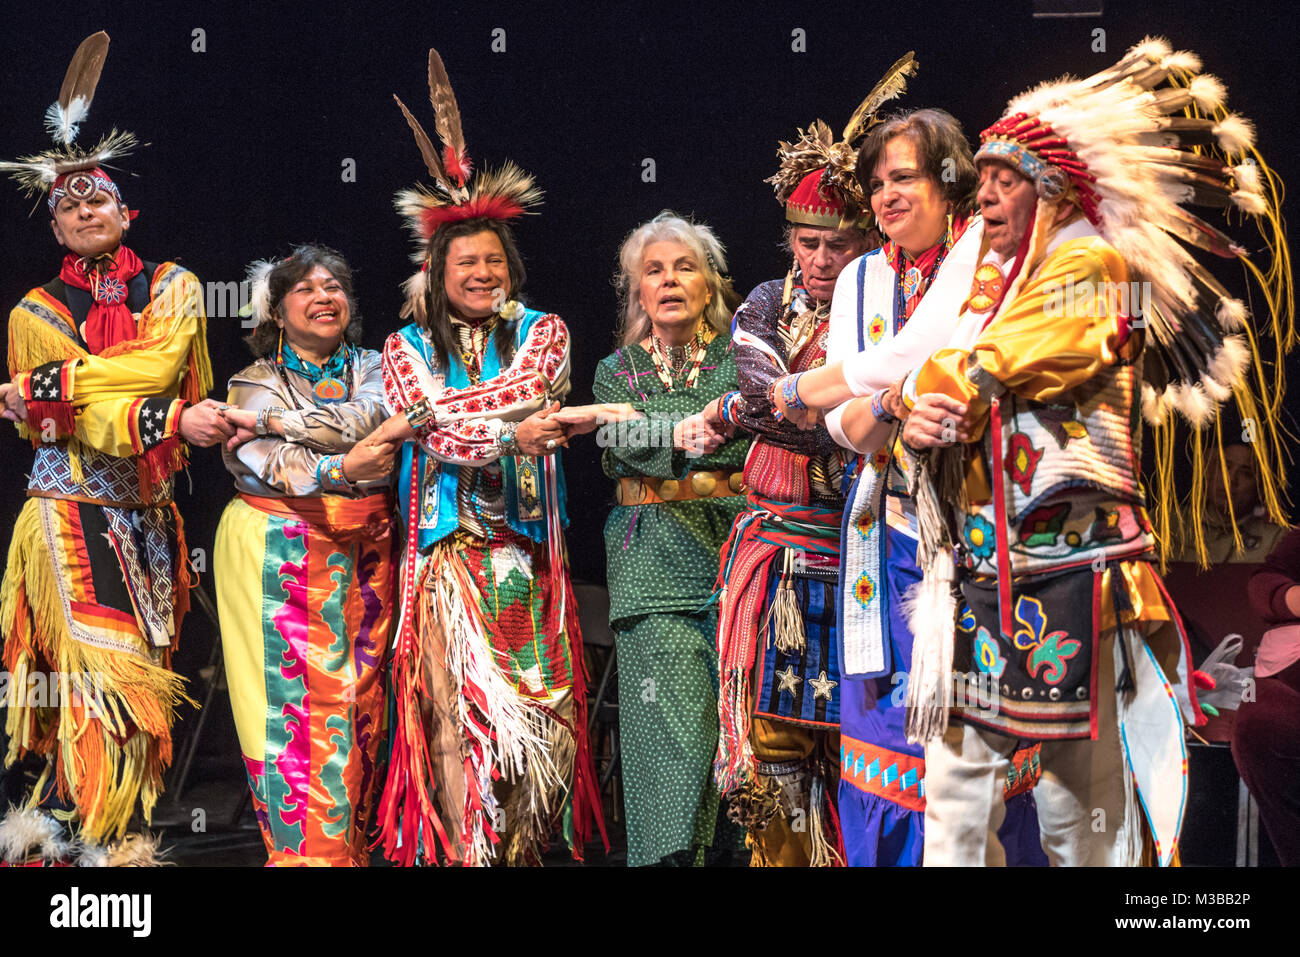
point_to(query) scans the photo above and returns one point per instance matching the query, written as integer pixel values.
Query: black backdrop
(249, 137)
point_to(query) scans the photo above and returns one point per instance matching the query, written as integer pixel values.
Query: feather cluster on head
(815, 149)
(456, 194)
(38, 172)
(1141, 142)
(259, 289)
(502, 194)
(838, 193)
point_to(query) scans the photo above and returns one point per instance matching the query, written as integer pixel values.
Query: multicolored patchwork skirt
(304, 590)
(490, 719)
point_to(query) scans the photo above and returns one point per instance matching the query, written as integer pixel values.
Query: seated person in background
(1200, 593)
(1266, 740)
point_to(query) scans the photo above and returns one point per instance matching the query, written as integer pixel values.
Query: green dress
(662, 565)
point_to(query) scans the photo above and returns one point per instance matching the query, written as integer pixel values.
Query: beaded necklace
(914, 280)
(670, 372)
(331, 383)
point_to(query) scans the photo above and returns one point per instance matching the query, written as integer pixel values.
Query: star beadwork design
(789, 681)
(822, 686)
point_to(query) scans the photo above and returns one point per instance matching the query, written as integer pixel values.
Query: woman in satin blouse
(304, 559)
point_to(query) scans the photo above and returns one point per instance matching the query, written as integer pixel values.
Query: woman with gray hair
(679, 489)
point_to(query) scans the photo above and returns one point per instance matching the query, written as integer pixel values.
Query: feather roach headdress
(816, 180)
(456, 193)
(1134, 146)
(67, 167)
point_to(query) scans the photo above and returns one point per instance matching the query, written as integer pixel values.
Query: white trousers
(1080, 797)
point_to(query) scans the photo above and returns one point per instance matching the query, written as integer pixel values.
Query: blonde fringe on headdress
(1259, 379)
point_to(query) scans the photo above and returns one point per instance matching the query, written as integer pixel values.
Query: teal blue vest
(524, 479)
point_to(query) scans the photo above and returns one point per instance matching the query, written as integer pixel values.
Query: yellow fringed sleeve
(1058, 333)
(112, 426)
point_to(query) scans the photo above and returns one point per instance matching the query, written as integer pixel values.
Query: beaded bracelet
(790, 392)
(329, 473)
(771, 401)
(728, 407)
(879, 411)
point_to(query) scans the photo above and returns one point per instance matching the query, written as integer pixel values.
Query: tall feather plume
(446, 117)
(64, 117)
(427, 150)
(891, 86)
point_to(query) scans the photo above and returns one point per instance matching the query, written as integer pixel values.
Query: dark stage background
(248, 140)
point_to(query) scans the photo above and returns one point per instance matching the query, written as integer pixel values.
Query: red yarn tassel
(586, 793)
(158, 464)
(837, 831)
(57, 413)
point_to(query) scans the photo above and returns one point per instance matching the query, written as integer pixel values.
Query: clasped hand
(936, 421)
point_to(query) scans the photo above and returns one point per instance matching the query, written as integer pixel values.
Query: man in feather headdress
(109, 368)
(1033, 419)
(489, 747)
(777, 756)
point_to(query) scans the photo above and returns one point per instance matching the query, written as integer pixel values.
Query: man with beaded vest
(1029, 435)
(489, 751)
(109, 368)
(779, 707)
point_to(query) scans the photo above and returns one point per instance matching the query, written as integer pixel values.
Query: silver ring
(550, 444)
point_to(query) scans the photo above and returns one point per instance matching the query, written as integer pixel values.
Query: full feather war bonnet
(457, 192)
(1133, 146)
(67, 168)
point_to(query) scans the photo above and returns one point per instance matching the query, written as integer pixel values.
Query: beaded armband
(729, 407)
(790, 392)
(879, 411)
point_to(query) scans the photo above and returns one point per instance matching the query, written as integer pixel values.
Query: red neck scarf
(915, 275)
(110, 320)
